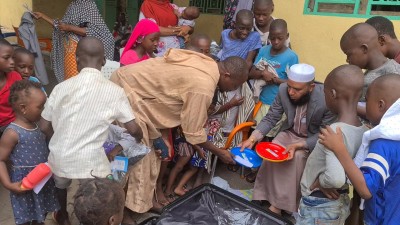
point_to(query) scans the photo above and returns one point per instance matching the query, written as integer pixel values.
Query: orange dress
(70, 67)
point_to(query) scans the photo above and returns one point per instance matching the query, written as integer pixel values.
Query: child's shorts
(196, 161)
(314, 210)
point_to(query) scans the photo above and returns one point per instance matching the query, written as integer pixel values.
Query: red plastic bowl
(271, 152)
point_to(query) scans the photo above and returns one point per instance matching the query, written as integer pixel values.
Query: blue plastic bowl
(249, 154)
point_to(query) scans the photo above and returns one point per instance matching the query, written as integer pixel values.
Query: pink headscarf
(143, 28)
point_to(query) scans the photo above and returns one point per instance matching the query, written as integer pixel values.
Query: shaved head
(234, 72)
(361, 45)
(261, 3)
(347, 80)
(360, 33)
(386, 87)
(90, 53)
(278, 24)
(381, 95)
(244, 15)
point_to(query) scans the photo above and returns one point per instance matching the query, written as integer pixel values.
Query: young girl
(7, 78)
(142, 42)
(24, 145)
(99, 201)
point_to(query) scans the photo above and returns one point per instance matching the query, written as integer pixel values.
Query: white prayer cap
(301, 73)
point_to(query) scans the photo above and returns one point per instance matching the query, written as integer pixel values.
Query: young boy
(342, 87)
(390, 45)
(263, 18)
(202, 42)
(25, 64)
(361, 46)
(76, 119)
(241, 41)
(280, 57)
(377, 181)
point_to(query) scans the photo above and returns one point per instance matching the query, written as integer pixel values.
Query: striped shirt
(381, 171)
(81, 110)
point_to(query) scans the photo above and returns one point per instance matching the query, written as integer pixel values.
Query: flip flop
(251, 177)
(172, 197)
(233, 168)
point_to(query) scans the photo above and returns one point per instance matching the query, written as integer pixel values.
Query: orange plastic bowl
(271, 152)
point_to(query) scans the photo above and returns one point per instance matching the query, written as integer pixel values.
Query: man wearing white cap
(303, 102)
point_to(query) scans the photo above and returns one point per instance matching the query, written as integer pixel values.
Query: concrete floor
(6, 214)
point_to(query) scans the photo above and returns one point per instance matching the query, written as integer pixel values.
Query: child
(342, 87)
(142, 43)
(25, 146)
(240, 41)
(186, 16)
(377, 181)
(279, 57)
(76, 119)
(25, 64)
(263, 18)
(7, 78)
(361, 46)
(390, 45)
(202, 42)
(99, 201)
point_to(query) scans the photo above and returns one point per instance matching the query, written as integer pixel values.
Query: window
(209, 6)
(353, 8)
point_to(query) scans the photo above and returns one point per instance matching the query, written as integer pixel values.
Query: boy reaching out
(377, 179)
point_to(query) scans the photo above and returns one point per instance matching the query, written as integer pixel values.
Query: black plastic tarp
(211, 205)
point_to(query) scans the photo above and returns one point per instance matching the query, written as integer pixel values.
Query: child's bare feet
(160, 197)
(180, 191)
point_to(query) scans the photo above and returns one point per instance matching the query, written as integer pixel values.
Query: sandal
(233, 168)
(251, 177)
(172, 197)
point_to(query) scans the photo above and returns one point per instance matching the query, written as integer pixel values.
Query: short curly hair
(20, 90)
(96, 200)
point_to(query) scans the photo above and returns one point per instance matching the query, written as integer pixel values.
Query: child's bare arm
(46, 127)
(334, 142)
(134, 130)
(7, 144)
(250, 58)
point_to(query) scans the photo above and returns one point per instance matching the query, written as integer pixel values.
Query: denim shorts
(323, 211)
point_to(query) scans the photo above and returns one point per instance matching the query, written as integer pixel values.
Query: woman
(163, 14)
(81, 19)
(142, 43)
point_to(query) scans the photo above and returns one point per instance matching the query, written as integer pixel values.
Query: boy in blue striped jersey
(377, 180)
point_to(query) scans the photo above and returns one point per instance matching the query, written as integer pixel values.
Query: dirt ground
(6, 214)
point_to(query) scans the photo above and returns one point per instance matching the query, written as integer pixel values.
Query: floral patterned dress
(30, 151)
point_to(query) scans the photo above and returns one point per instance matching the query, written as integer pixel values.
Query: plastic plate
(271, 152)
(247, 158)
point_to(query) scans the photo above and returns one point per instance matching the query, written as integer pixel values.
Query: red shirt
(6, 112)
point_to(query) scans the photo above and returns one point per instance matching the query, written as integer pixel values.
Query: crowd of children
(68, 129)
